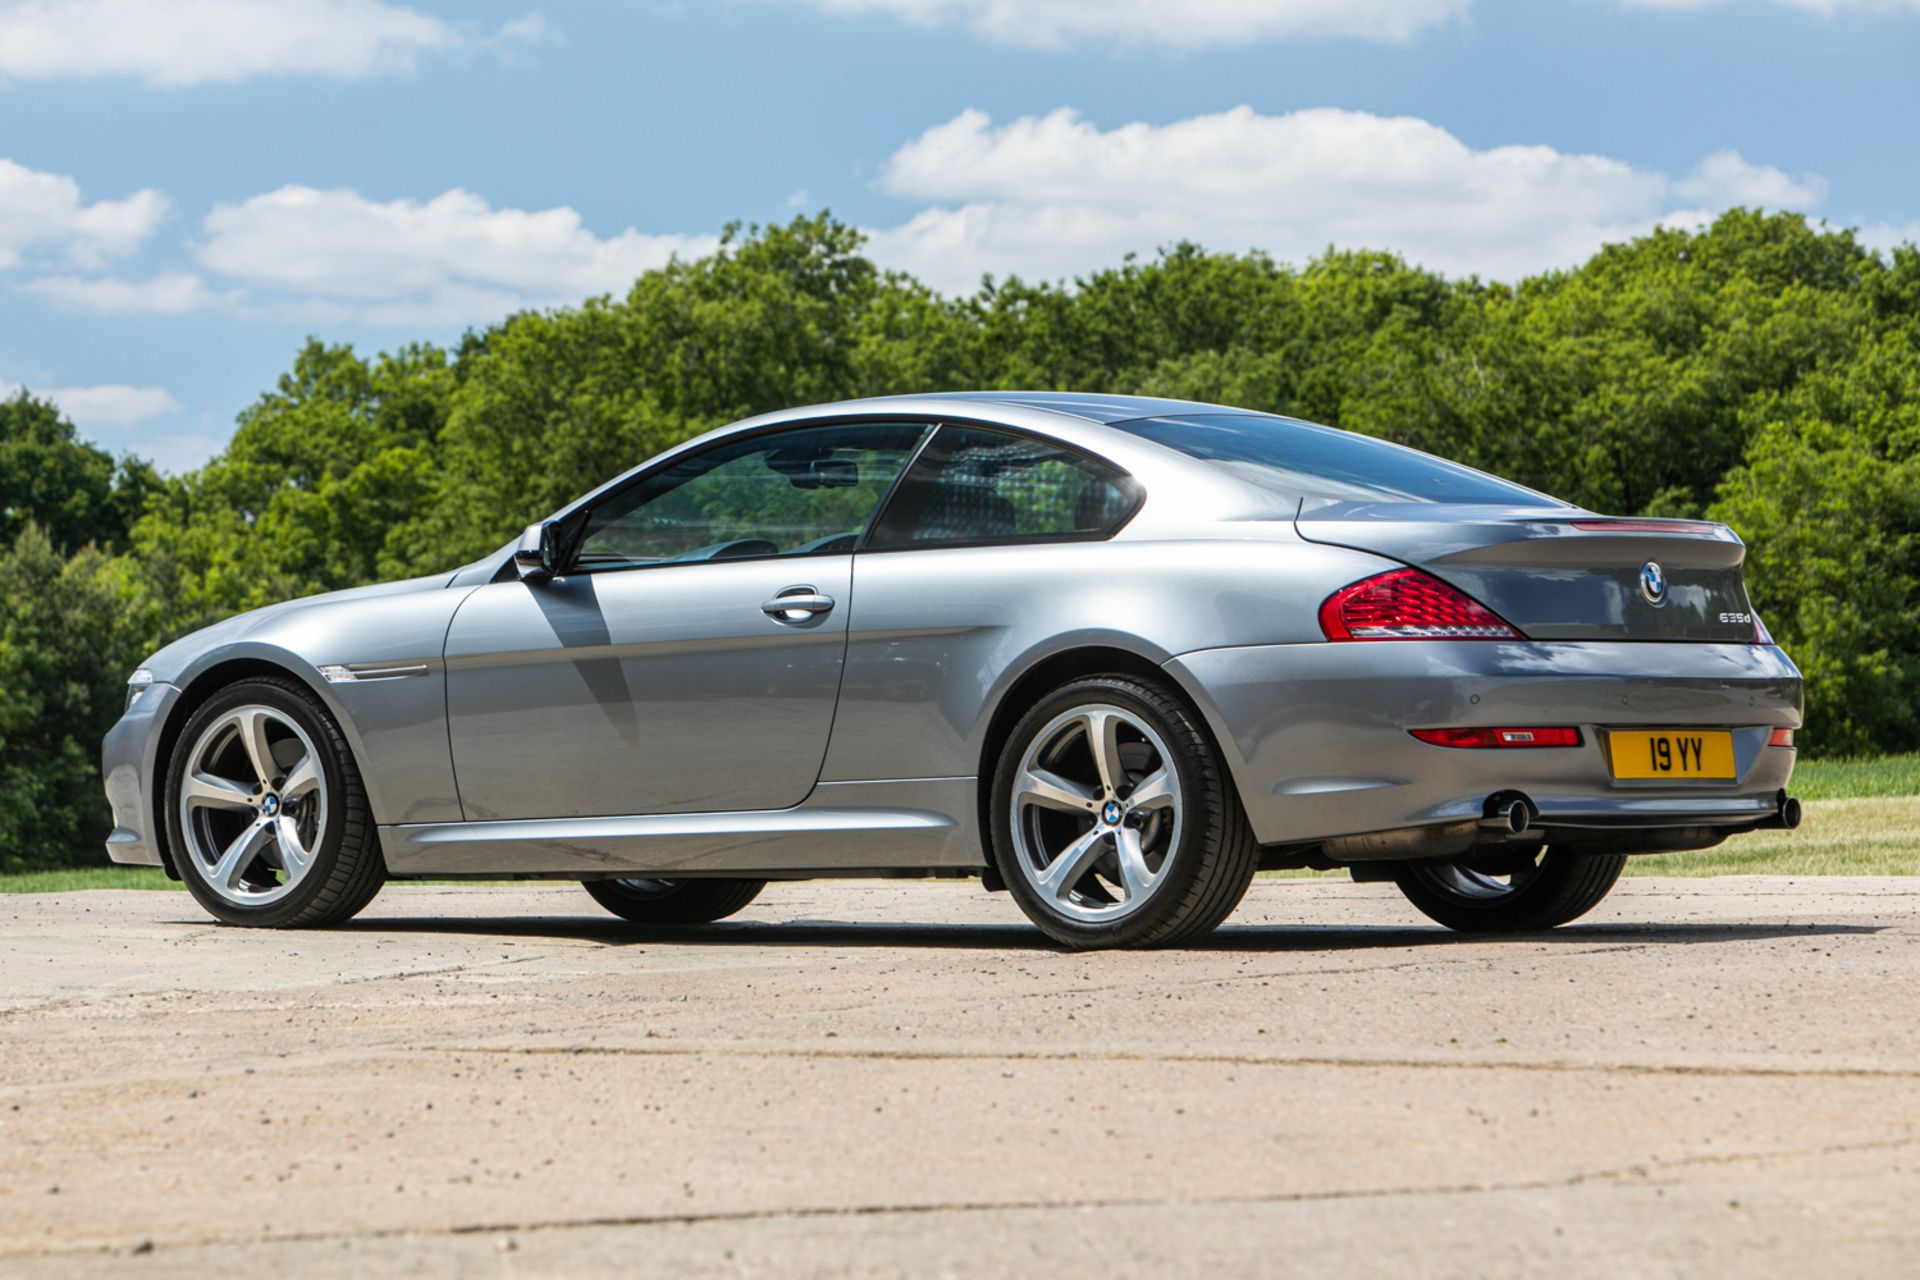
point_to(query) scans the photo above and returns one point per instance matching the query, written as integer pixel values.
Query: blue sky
(188, 188)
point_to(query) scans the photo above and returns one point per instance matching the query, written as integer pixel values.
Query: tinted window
(1300, 459)
(810, 491)
(974, 485)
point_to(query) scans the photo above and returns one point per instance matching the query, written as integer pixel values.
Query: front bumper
(127, 759)
(1316, 734)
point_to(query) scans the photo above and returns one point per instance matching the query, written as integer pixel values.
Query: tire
(312, 856)
(673, 901)
(1519, 895)
(1180, 855)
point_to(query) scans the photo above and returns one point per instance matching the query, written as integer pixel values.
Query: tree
(63, 666)
(50, 477)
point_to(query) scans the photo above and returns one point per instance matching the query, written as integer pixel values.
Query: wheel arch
(194, 692)
(1053, 670)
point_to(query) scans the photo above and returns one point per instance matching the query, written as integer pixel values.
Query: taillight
(1642, 526)
(1780, 738)
(1406, 604)
(1760, 633)
(1528, 737)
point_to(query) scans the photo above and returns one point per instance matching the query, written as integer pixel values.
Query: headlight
(136, 685)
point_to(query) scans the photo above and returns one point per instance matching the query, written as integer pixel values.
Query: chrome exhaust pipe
(1508, 813)
(1786, 818)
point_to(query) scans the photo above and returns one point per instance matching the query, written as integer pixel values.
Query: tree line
(1760, 371)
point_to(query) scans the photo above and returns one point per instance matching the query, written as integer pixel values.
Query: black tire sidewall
(1184, 740)
(1566, 887)
(313, 720)
(697, 901)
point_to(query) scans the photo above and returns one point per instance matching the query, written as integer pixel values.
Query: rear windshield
(1300, 459)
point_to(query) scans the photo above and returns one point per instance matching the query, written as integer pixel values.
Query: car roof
(1080, 419)
(1092, 406)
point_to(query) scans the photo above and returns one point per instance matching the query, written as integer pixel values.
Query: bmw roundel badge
(1653, 583)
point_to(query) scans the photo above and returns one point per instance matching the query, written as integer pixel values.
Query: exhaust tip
(1790, 812)
(1508, 812)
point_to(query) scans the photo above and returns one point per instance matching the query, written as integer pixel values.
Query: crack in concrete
(1630, 1174)
(1198, 1059)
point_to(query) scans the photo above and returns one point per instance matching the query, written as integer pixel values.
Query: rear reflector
(1780, 738)
(1529, 737)
(1406, 604)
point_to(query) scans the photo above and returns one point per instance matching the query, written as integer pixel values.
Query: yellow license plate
(1671, 753)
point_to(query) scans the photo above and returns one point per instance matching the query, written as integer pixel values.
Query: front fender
(395, 722)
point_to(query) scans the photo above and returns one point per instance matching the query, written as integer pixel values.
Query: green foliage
(1763, 372)
(49, 477)
(63, 662)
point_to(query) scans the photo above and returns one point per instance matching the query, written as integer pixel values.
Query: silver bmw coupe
(1111, 655)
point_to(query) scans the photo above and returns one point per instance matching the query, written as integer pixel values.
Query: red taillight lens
(1407, 604)
(1528, 737)
(1642, 526)
(1780, 738)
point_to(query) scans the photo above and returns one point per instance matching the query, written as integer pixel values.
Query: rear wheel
(1510, 891)
(1114, 824)
(673, 901)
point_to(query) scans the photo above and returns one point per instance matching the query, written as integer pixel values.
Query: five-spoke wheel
(1097, 812)
(1113, 821)
(266, 818)
(252, 805)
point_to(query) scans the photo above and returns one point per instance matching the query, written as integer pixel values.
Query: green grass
(87, 878)
(1874, 836)
(1863, 819)
(1857, 779)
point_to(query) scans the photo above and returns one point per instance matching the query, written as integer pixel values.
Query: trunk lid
(1560, 573)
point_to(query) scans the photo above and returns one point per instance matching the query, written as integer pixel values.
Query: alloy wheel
(1096, 813)
(253, 804)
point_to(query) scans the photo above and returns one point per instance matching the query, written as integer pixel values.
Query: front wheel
(1114, 823)
(673, 901)
(266, 814)
(1510, 891)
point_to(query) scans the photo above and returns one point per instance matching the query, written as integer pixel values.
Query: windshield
(1304, 460)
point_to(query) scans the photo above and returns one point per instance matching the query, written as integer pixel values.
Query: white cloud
(39, 209)
(1054, 195)
(169, 294)
(1726, 177)
(1885, 236)
(1190, 24)
(105, 407)
(450, 260)
(185, 42)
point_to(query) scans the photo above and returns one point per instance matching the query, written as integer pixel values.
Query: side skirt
(925, 823)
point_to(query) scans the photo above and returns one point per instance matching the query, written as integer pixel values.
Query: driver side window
(809, 491)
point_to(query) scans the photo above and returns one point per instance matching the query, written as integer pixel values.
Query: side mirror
(538, 556)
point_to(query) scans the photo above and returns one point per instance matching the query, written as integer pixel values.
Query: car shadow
(908, 935)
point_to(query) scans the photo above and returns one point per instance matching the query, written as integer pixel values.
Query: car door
(690, 659)
(991, 537)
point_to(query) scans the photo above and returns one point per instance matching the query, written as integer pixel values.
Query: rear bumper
(1316, 734)
(127, 759)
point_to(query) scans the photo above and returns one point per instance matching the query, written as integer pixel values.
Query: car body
(626, 714)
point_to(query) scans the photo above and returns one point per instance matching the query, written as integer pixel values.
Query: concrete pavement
(1704, 1076)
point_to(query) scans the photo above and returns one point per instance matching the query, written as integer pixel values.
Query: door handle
(797, 604)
